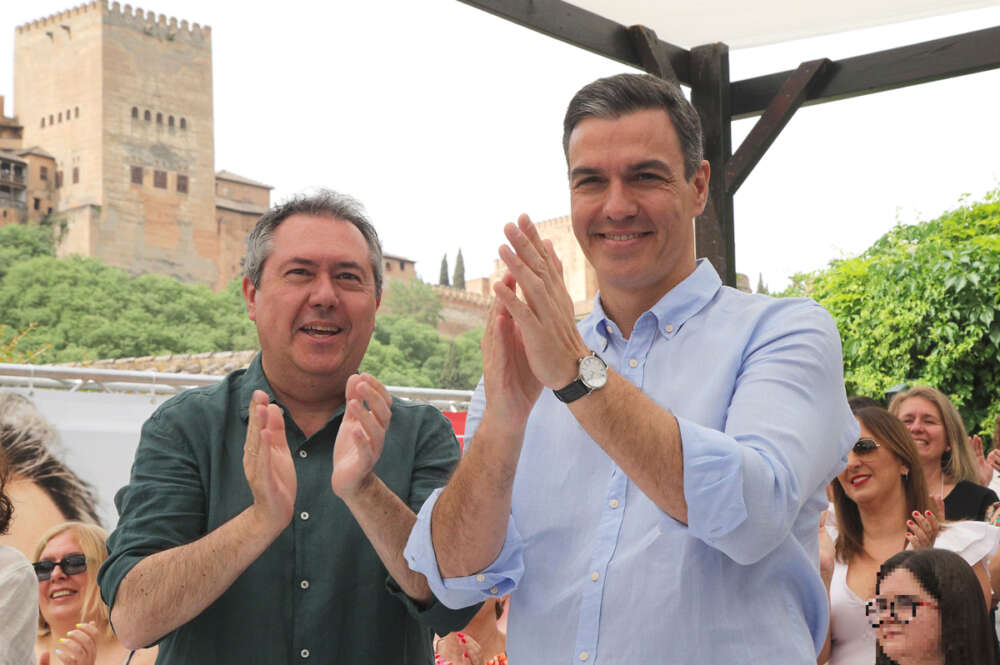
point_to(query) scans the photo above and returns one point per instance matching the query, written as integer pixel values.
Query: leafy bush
(922, 305)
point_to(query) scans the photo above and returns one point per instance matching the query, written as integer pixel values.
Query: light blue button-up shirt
(602, 575)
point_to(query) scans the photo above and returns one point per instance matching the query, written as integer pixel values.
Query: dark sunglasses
(71, 564)
(865, 446)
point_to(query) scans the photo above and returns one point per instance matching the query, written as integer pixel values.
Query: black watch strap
(572, 392)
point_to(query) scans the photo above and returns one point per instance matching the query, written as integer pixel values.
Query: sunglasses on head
(864, 446)
(71, 564)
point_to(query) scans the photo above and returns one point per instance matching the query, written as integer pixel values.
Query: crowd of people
(678, 477)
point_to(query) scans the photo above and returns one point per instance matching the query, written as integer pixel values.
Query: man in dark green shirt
(231, 546)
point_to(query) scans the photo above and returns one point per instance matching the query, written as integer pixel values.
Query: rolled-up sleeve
(498, 579)
(787, 433)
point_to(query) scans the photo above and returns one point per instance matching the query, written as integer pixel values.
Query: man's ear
(700, 181)
(250, 295)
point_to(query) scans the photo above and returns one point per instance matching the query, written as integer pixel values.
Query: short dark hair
(324, 203)
(615, 96)
(966, 629)
(6, 508)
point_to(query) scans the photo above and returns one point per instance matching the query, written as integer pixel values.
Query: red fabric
(457, 419)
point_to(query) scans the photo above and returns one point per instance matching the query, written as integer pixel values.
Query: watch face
(593, 372)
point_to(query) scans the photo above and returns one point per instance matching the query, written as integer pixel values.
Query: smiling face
(874, 476)
(315, 307)
(633, 210)
(922, 418)
(918, 640)
(61, 597)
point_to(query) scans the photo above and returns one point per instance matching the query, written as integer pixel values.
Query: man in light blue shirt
(647, 482)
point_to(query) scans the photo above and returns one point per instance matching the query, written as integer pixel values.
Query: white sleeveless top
(852, 639)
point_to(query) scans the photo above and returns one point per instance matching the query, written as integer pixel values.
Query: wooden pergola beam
(781, 109)
(948, 57)
(587, 30)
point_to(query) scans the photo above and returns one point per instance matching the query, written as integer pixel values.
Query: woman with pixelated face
(926, 609)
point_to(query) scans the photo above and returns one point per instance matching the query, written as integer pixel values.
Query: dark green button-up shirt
(319, 593)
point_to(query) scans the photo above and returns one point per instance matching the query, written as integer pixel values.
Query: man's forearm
(641, 437)
(387, 522)
(469, 522)
(168, 589)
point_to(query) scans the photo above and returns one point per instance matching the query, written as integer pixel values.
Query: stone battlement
(148, 22)
(450, 293)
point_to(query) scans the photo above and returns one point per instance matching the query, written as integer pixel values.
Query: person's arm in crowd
(167, 589)
(383, 516)
(739, 490)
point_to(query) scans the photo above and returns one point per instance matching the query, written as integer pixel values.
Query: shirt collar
(672, 310)
(253, 379)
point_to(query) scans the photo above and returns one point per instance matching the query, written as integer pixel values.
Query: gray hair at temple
(619, 95)
(27, 439)
(324, 203)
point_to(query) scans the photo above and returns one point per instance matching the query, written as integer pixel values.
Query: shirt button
(494, 590)
(305, 585)
(584, 655)
(613, 503)
(304, 515)
(480, 578)
(303, 453)
(633, 363)
(304, 653)
(595, 576)
(669, 328)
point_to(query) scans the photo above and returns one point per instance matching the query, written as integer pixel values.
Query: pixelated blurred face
(872, 476)
(60, 598)
(922, 418)
(911, 631)
(34, 514)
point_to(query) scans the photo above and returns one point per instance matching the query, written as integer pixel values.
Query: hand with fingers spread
(510, 385)
(361, 436)
(267, 463)
(544, 317)
(984, 469)
(993, 459)
(923, 530)
(79, 646)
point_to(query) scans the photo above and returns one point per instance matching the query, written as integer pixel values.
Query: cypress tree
(443, 279)
(458, 280)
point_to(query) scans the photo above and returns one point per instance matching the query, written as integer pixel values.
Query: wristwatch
(593, 375)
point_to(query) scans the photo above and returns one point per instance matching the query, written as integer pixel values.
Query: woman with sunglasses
(946, 453)
(73, 626)
(882, 506)
(922, 612)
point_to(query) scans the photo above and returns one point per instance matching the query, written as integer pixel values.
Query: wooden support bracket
(791, 95)
(652, 55)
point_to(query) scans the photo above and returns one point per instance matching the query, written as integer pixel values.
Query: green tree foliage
(407, 352)
(761, 286)
(443, 277)
(923, 305)
(84, 309)
(18, 243)
(458, 280)
(412, 299)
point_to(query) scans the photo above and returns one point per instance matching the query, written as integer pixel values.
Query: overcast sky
(445, 121)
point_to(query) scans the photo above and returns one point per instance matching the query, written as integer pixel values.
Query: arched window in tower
(52, 119)
(159, 118)
(184, 124)
(68, 115)
(147, 116)
(43, 121)
(76, 111)
(60, 116)
(135, 112)
(170, 122)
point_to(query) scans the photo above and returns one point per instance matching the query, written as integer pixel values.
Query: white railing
(75, 379)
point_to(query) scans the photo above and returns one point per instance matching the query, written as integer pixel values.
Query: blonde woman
(946, 456)
(73, 626)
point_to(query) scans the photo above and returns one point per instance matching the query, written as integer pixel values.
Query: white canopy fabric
(740, 24)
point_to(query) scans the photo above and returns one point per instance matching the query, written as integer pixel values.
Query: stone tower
(122, 100)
